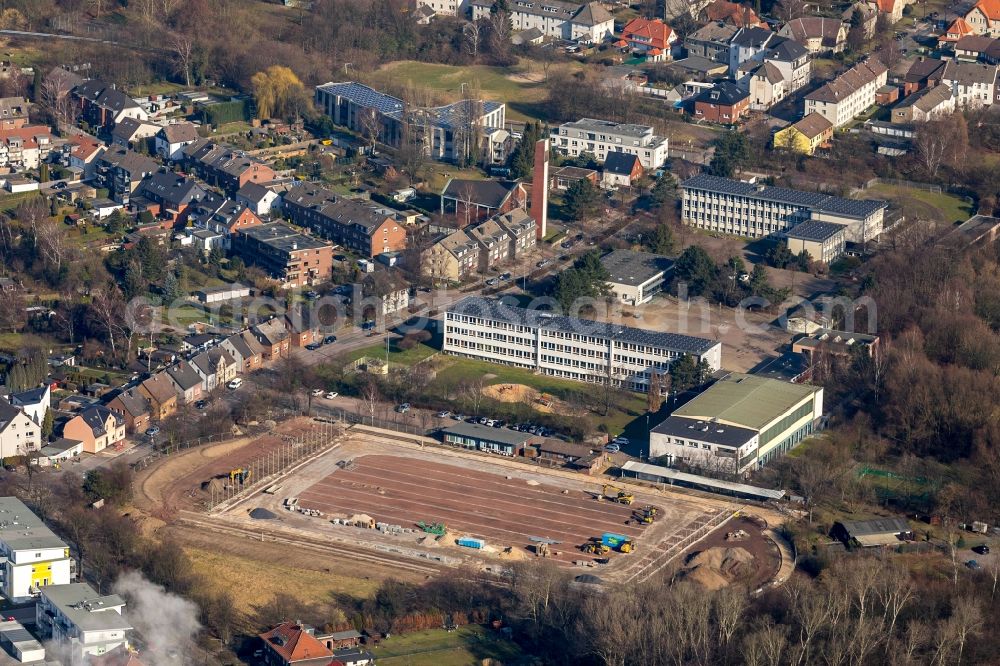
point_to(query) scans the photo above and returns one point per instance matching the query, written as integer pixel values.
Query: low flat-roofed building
(875, 532)
(292, 258)
(504, 441)
(782, 414)
(672, 477)
(789, 367)
(704, 444)
(836, 343)
(81, 622)
(824, 241)
(635, 277)
(32, 555)
(228, 292)
(19, 643)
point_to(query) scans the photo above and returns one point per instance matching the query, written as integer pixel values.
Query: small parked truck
(619, 542)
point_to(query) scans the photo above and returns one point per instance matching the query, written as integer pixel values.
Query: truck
(616, 494)
(619, 542)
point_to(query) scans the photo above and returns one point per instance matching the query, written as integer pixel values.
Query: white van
(235, 384)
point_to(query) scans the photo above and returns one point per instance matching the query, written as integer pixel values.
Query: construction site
(408, 503)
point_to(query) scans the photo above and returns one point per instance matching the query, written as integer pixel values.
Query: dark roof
(923, 68)
(7, 413)
(859, 208)
(755, 37)
(786, 50)
(858, 528)
(133, 402)
(184, 375)
(487, 193)
(132, 162)
(105, 95)
(95, 417)
(705, 431)
(725, 93)
(488, 434)
(787, 367)
(634, 268)
(620, 163)
(356, 212)
(127, 128)
(815, 231)
(253, 192)
(30, 396)
(506, 311)
(172, 189)
(282, 237)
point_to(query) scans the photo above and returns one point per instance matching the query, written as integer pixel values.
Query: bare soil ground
(528, 396)
(707, 562)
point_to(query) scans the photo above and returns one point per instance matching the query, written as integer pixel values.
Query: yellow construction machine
(616, 494)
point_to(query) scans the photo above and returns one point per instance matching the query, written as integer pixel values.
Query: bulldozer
(616, 494)
(240, 475)
(595, 547)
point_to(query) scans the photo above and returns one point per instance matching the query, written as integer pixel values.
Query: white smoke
(166, 624)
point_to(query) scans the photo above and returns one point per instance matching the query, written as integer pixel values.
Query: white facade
(710, 446)
(973, 85)
(849, 95)
(33, 556)
(81, 622)
(600, 137)
(589, 23)
(575, 349)
(444, 7)
(34, 403)
(19, 435)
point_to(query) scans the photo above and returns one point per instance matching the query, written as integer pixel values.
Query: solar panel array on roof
(364, 96)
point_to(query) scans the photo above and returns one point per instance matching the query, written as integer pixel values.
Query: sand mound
(538, 401)
(262, 514)
(716, 568)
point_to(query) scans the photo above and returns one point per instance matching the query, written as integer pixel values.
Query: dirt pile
(716, 568)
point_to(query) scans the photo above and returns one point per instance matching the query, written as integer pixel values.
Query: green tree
(134, 283)
(779, 255)
(664, 190)
(522, 159)
(802, 261)
(696, 269)
(588, 278)
(47, 423)
(43, 173)
(583, 199)
(662, 240)
(687, 373)
(759, 283)
(732, 152)
(171, 292)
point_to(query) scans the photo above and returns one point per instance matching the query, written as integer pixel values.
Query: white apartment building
(579, 349)
(850, 94)
(81, 622)
(584, 22)
(600, 137)
(741, 208)
(972, 84)
(19, 435)
(32, 555)
(445, 7)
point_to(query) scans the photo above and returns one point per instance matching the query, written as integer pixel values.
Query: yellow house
(805, 136)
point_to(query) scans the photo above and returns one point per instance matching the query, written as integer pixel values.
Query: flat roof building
(823, 241)
(80, 621)
(635, 277)
(32, 555)
(600, 137)
(485, 438)
(739, 423)
(581, 349)
(754, 210)
(292, 258)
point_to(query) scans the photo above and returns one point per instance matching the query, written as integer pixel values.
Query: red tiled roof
(737, 14)
(991, 8)
(292, 643)
(653, 32)
(27, 134)
(959, 28)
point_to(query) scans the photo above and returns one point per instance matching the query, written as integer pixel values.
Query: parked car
(443, 414)
(543, 263)
(402, 409)
(458, 417)
(981, 549)
(235, 384)
(330, 395)
(313, 346)
(621, 441)
(317, 392)
(312, 295)
(504, 277)
(972, 564)
(329, 340)
(499, 424)
(612, 448)
(201, 404)
(492, 282)
(153, 431)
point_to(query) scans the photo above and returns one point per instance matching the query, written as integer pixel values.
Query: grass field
(396, 355)
(463, 647)
(923, 205)
(230, 572)
(521, 87)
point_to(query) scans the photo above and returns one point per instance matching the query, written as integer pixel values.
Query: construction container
(612, 540)
(469, 542)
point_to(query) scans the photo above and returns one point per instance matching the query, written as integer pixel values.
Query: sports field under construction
(367, 478)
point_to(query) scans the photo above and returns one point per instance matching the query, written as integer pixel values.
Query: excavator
(240, 475)
(595, 547)
(616, 494)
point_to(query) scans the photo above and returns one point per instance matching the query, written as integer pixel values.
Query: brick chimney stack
(540, 188)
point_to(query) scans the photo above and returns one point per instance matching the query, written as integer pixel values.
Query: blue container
(471, 543)
(612, 540)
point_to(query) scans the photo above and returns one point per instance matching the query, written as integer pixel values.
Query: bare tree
(55, 97)
(183, 47)
(108, 306)
(472, 37)
(371, 127)
(50, 239)
(371, 396)
(500, 29)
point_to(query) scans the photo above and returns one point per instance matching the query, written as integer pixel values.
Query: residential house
(725, 103)
(303, 325)
(955, 31)
(927, 104)
(984, 18)
(19, 435)
(451, 258)
(365, 227)
(273, 338)
(472, 200)
(58, 450)
(445, 132)
(973, 84)
(600, 137)
(290, 644)
(33, 402)
(25, 147)
(711, 42)
(171, 140)
(766, 86)
(77, 622)
(430, 8)
(867, 14)
(224, 167)
(521, 231)
(33, 556)
(750, 44)
(973, 47)
(259, 199)
(162, 396)
(130, 131)
(586, 22)
(820, 35)
(13, 112)
(731, 13)
(494, 245)
(850, 94)
(172, 194)
(83, 153)
(135, 407)
(923, 73)
(293, 259)
(98, 427)
(245, 350)
(121, 171)
(186, 381)
(892, 9)
(792, 60)
(562, 178)
(101, 105)
(650, 37)
(620, 170)
(811, 132)
(216, 367)
(221, 217)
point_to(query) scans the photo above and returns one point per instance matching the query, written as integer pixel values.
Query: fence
(171, 448)
(384, 422)
(913, 185)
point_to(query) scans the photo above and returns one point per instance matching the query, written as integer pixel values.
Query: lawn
(229, 572)
(466, 645)
(397, 356)
(921, 204)
(521, 87)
